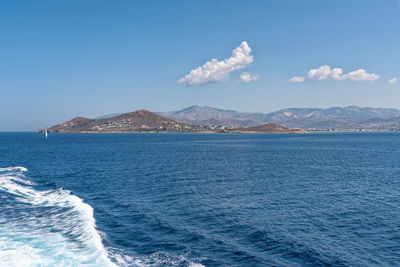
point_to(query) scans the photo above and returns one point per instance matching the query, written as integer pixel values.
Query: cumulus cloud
(361, 75)
(248, 77)
(325, 72)
(217, 71)
(297, 79)
(393, 80)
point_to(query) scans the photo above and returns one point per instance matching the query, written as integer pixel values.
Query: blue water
(329, 199)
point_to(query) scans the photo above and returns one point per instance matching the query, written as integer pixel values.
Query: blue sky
(61, 59)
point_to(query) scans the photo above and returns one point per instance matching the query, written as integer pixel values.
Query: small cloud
(297, 79)
(215, 71)
(326, 72)
(361, 75)
(248, 77)
(393, 80)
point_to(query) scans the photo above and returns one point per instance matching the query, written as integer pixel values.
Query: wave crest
(46, 227)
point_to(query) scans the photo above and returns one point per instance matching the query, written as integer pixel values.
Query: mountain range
(337, 118)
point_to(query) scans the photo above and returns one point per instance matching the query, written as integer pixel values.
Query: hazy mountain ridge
(351, 117)
(205, 115)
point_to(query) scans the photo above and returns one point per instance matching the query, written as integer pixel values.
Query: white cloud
(297, 79)
(325, 72)
(248, 77)
(393, 80)
(361, 75)
(217, 71)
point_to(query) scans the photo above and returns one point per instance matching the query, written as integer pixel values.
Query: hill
(137, 121)
(146, 121)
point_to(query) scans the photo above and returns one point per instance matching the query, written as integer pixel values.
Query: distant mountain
(335, 117)
(351, 117)
(146, 121)
(197, 113)
(205, 115)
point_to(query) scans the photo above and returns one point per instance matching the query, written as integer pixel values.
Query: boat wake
(45, 228)
(57, 228)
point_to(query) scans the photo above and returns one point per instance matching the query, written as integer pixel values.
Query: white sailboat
(45, 133)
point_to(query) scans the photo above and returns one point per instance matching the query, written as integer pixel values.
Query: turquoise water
(329, 199)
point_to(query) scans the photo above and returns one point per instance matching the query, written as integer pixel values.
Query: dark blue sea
(320, 199)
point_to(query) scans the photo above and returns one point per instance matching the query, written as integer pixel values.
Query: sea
(318, 199)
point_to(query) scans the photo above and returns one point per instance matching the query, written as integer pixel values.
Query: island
(144, 121)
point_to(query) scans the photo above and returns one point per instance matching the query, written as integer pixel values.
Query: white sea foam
(17, 168)
(161, 258)
(55, 229)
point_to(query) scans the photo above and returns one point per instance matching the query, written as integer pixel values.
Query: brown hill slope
(137, 121)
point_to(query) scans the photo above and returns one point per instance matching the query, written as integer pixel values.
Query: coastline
(293, 131)
(170, 132)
